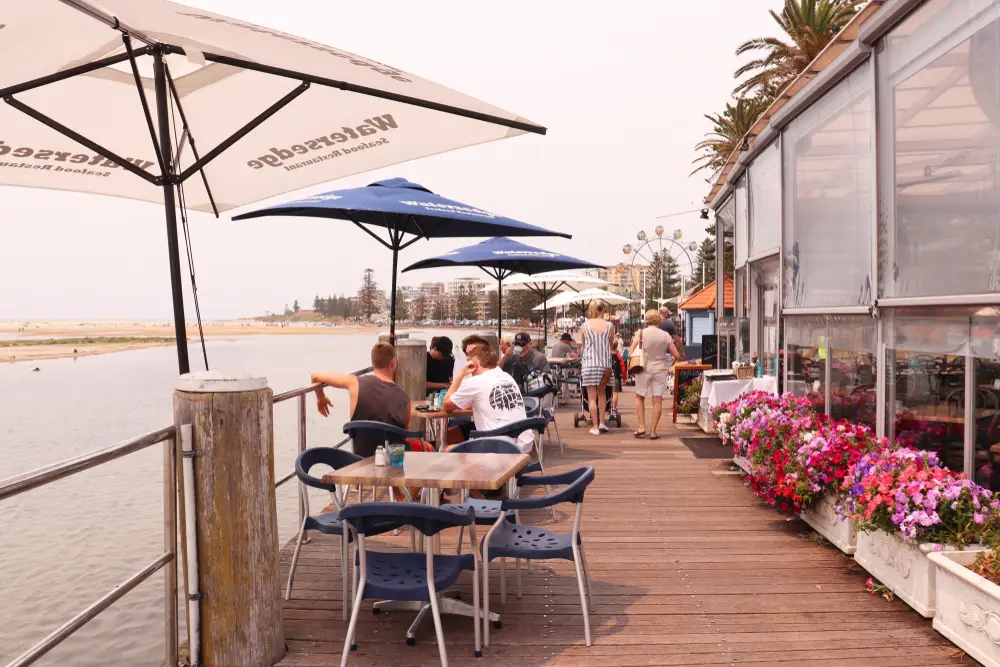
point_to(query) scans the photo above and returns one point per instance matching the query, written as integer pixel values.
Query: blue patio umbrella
(403, 208)
(501, 257)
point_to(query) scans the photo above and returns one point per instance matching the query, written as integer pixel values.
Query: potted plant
(967, 587)
(905, 506)
(824, 460)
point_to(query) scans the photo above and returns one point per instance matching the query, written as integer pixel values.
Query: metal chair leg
(295, 561)
(503, 581)
(486, 596)
(518, 561)
(583, 593)
(458, 547)
(562, 451)
(345, 572)
(352, 628)
(586, 577)
(435, 611)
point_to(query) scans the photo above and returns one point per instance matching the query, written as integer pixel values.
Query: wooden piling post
(237, 523)
(411, 372)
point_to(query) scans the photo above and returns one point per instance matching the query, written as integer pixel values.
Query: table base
(447, 604)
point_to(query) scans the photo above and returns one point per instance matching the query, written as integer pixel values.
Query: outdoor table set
(398, 580)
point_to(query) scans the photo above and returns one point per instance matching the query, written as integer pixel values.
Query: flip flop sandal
(639, 434)
(654, 437)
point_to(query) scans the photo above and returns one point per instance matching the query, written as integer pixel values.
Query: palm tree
(810, 25)
(728, 130)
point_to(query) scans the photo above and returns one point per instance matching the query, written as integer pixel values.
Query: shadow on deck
(687, 569)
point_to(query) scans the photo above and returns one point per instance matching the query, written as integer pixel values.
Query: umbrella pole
(170, 209)
(499, 308)
(392, 299)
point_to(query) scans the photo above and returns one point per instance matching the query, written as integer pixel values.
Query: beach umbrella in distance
(193, 94)
(546, 285)
(405, 209)
(501, 257)
(582, 300)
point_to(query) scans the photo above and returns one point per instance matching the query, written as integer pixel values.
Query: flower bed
(968, 605)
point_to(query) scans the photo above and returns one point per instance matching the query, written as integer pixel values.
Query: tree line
(807, 27)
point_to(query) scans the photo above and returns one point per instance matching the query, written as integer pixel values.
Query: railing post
(237, 526)
(302, 448)
(170, 546)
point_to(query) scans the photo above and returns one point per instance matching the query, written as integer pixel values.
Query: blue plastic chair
(388, 433)
(510, 540)
(486, 511)
(515, 429)
(328, 523)
(404, 576)
(547, 409)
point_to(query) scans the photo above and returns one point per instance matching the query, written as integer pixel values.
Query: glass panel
(985, 334)
(766, 276)
(852, 376)
(828, 194)
(805, 338)
(742, 221)
(926, 380)
(743, 315)
(765, 200)
(940, 82)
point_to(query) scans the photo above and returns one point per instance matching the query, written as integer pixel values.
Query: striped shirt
(596, 347)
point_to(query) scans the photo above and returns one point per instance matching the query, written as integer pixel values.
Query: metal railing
(45, 475)
(301, 394)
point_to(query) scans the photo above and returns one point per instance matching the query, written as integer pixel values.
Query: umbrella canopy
(500, 257)
(545, 285)
(405, 208)
(583, 299)
(139, 98)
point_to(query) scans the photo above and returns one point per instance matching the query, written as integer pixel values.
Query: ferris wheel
(639, 281)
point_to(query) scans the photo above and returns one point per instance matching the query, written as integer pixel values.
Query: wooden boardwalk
(687, 569)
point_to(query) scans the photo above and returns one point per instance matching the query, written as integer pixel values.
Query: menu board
(683, 376)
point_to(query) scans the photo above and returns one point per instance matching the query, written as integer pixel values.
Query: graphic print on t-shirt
(505, 396)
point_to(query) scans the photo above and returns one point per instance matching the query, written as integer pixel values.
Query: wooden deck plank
(688, 569)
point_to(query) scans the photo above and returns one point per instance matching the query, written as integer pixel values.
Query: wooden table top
(435, 470)
(438, 414)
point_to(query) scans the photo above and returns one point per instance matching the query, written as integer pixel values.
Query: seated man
(493, 395)
(564, 349)
(520, 360)
(440, 363)
(374, 397)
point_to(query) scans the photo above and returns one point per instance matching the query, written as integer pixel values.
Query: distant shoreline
(159, 333)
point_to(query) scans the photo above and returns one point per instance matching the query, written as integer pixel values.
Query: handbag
(637, 361)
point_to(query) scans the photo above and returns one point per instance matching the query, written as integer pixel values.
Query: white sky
(622, 88)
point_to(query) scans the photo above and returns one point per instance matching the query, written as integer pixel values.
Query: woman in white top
(595, 360)
(659, 351)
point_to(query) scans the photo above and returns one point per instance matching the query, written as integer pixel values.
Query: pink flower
(978, 518)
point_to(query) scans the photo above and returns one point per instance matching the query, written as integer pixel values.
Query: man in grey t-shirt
(564, 348)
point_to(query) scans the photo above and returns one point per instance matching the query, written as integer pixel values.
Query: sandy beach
(160, 333)
(164, 328)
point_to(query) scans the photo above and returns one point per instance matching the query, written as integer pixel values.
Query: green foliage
(808, 25)
(690, 398)
(728, 130)
(81, 342)
(987, 565)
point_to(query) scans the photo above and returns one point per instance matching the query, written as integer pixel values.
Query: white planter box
(968, 607)
(743, 463)
(824, 521)
(903, 567)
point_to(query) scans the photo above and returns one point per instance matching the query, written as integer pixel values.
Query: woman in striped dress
(596, 361)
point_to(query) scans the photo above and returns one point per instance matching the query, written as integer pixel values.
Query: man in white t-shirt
(493, 395)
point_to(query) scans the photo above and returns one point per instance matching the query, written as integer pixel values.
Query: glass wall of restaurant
(939, 232)
(727, 325)
(889, 310)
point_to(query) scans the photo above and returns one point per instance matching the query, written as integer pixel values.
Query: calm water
(63, 546)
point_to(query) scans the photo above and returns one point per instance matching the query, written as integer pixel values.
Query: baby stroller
(612, 413)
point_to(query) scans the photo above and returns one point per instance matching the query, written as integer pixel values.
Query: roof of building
(837, 46)
(705, 298)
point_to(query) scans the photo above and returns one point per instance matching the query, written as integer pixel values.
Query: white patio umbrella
(583, 299)
(137, 98)
(545, 285)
